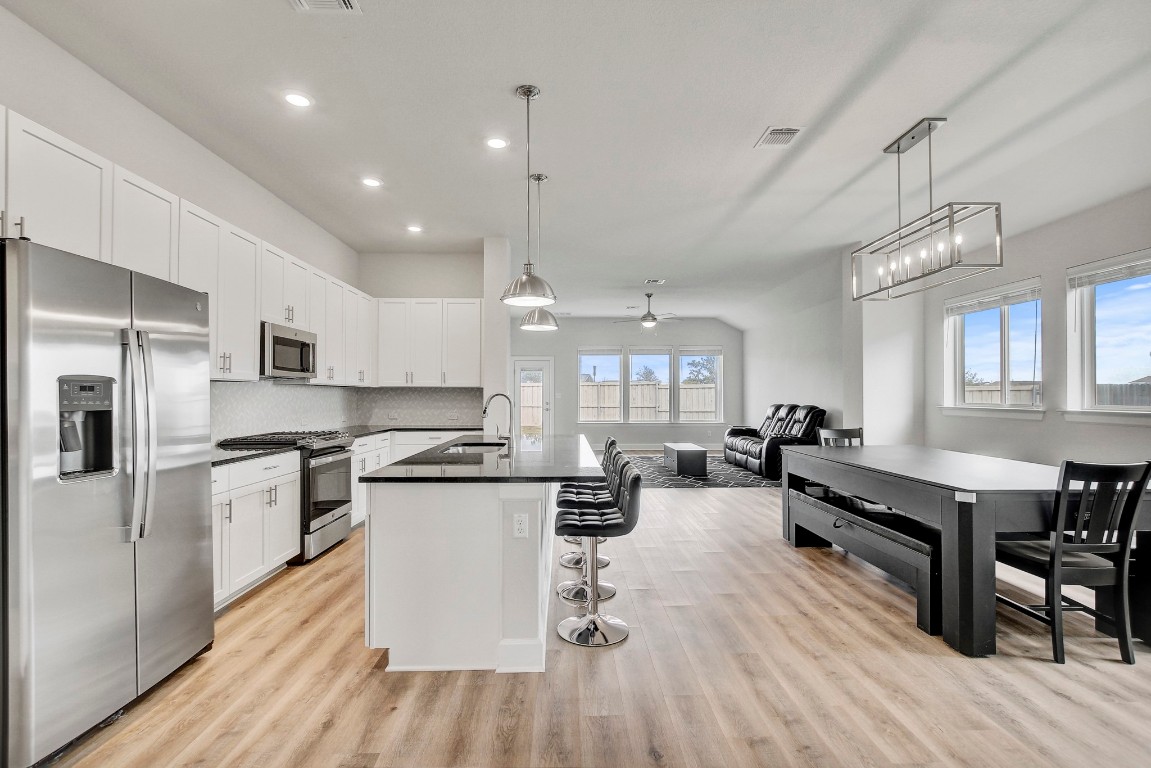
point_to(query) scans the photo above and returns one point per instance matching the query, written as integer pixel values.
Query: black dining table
(971, 499)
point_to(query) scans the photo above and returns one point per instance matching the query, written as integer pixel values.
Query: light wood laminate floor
(743, 652)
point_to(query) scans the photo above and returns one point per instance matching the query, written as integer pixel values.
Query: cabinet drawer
(362, 444)
(259, 470)
(383, 441)
(220, 481)
(423, 438)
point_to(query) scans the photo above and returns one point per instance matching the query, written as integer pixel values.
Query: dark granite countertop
(561, 458)
(362, 430)
(222, 456)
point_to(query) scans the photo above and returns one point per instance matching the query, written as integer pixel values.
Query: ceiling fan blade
(629, 320)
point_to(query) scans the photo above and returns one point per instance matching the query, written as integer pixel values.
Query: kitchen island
(458, 552)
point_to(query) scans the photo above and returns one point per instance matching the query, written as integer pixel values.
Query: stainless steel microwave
(287, 352)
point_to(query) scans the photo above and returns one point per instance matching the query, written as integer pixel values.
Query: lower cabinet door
(361, 464)
(245, 540)
(221, 511)
(283, 521)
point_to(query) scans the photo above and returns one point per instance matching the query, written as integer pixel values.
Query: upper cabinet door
(392, 348)
(63, 191)
(334, 309)
(317, 293)
(350, 339)
(367, 339)
(198, 268)
(145, 221)
(426, 342)
(462, 342)
(239, 290)
(296, 292)
(273, 308)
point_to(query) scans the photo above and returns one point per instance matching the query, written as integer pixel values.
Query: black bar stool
(601, 494)
(596, 629)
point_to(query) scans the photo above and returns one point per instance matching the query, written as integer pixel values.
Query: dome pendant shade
(539, 319)
(529, 290)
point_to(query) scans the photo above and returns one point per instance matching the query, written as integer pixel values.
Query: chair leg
(1123, 618)
(593, 629)
(1055, 611)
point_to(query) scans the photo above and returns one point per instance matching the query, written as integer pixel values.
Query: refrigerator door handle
(153, 431)
(131, 339)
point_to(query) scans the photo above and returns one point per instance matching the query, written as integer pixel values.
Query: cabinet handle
(229, 354)
(287, 314)
(228, 517)
(223, 368)
(276, 495)
(268, 503)
(443, 377)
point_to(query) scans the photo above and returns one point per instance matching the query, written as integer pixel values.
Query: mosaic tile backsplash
(251, 407)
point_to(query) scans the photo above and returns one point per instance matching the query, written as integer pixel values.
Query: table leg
(788, 482)
(969, 577)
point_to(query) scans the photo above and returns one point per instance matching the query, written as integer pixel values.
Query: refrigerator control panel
(85, 393)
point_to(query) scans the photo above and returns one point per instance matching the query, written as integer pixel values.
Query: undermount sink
(475, 448)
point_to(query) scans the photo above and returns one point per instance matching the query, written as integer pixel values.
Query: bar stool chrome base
(578, 592)
(593, 631)
(575, 560)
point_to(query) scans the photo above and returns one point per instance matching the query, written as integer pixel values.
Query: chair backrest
(610, 448)
(1096, 506)
(772, 410)
(779, 420)
(630, 484)
(805, 420)
(618, 462)
(841, 438)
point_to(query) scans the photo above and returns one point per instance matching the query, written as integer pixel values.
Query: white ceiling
(646, 121)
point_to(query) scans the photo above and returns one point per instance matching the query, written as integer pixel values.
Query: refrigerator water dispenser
(86, 436)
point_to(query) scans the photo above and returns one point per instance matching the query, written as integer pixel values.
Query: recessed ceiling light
(496, 143)
(297, 99)
(415, 228)
(371, 181)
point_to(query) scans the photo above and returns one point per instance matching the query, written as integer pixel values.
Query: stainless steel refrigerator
(107, 553)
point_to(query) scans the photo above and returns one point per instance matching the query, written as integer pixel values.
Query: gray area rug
(720, 474)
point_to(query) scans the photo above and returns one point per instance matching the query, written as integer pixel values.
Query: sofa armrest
(741, 432)
(773, 454)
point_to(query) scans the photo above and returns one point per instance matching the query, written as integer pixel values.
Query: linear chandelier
(952, 242)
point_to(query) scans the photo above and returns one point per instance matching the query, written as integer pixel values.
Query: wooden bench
(893, 542)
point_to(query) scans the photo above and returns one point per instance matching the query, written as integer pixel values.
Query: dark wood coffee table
(685, 459)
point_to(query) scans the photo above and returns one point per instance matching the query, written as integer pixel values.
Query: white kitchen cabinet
(369, 454)
(282, 521)
(317, 298)
(145, 223)
(222, 261)
(283, 288)
(334, 327)
(462, 342)
(351, 340)
(428, 343)
(366, 332)
(405, 444)
(62, 191)
(221, 512)
(244, 535)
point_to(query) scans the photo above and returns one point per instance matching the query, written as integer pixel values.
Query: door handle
(153, 431)
(130, 338)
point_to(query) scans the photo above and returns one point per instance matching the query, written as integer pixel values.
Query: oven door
(328, 490)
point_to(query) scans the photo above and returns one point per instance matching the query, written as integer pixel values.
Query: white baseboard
(521, 655)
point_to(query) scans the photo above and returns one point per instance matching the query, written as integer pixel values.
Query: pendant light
(529, 289)
(538, 319)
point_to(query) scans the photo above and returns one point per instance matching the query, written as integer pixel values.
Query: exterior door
(174, 553)
(533, 392)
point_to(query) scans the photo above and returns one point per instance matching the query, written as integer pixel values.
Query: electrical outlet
(393, 415)
(709, 433)
(520, 526)
(453, 415)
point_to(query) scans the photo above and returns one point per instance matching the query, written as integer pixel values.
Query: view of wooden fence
(1017, 394)
(648, 401)
(1137, 393)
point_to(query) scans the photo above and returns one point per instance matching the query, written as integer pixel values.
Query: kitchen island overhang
(449, 583)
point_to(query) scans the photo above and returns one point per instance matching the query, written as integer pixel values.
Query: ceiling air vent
(655, 281)
(777, 137)
(327, 6)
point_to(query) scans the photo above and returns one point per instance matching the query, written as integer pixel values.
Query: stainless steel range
(326, 473)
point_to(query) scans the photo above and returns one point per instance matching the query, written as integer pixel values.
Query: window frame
(619, 353)
(672, 408)
(1082, 279)
(954, 311)
(692, 350)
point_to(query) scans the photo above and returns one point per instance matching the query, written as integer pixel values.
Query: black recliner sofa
(758, 450)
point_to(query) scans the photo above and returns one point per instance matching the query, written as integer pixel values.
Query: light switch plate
(393, 415)
(453, 415)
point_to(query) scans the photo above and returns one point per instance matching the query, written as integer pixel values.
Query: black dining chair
(1092, 528)
(842, 438)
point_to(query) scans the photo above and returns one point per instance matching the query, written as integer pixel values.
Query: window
(996, 339)
(699, 384)
(649, 387)
(599, 385)
(1109, 334)
(664, 385)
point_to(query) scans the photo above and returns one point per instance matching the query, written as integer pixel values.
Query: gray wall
(1118, 227)
(49, 86)
(422, 275)
(562, 347)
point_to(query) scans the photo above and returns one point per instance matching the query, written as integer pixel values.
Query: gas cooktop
(268, 440)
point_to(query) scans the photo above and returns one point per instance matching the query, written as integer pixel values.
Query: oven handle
(318, 462)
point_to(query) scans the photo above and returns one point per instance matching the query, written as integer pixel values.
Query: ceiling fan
(647, 319)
